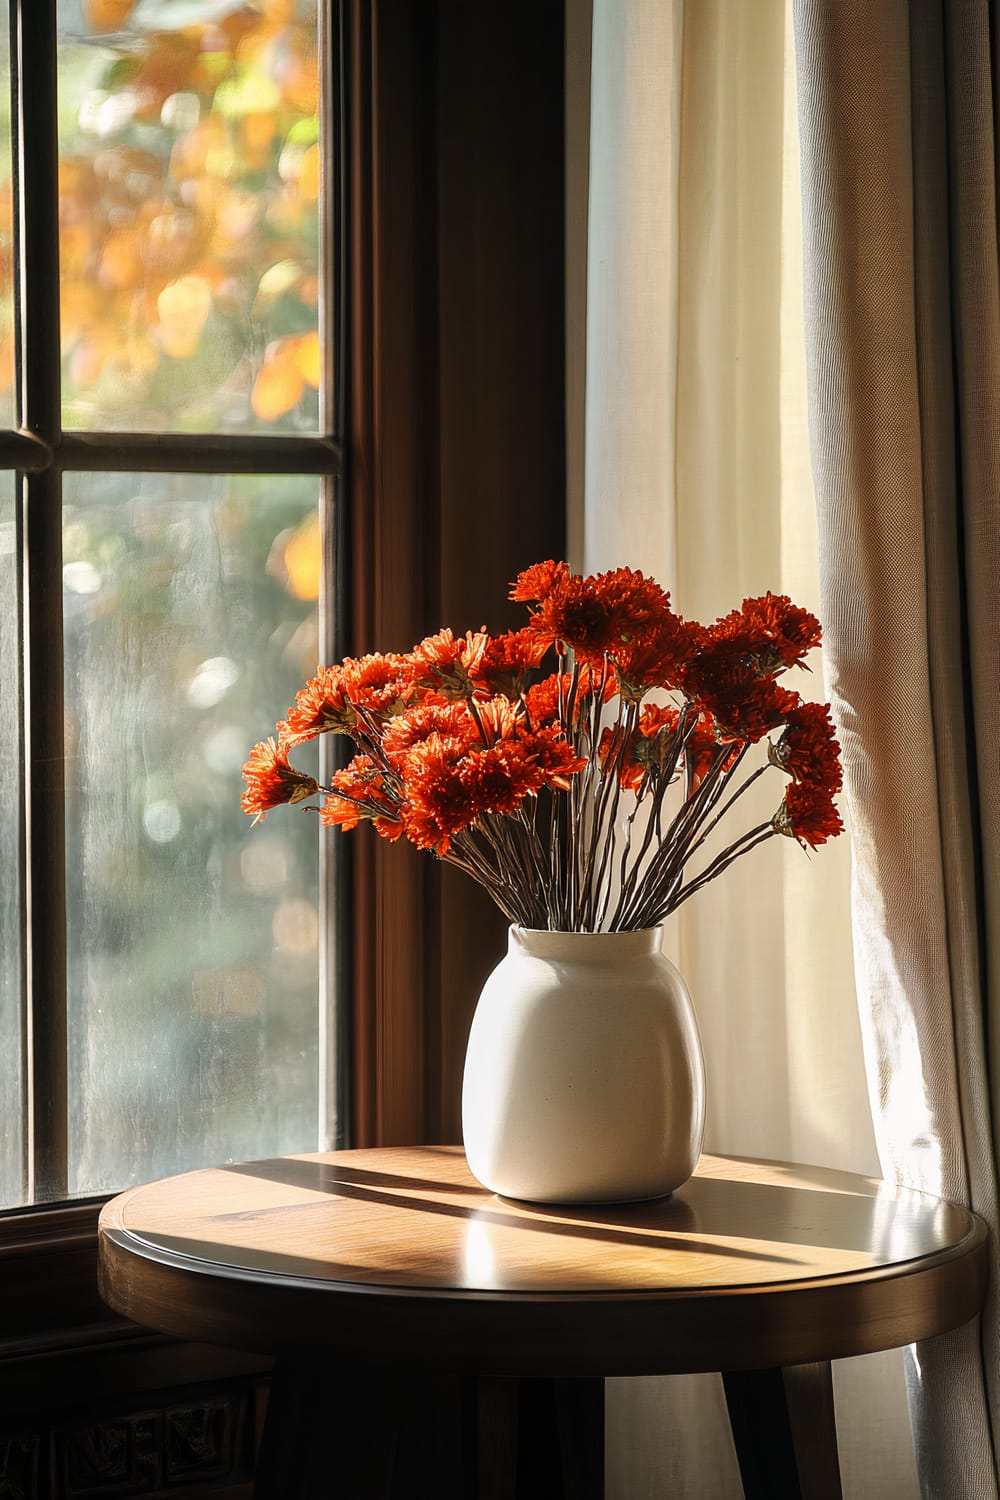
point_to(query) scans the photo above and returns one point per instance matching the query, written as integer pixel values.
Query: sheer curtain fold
(696, 470)
(898, 129)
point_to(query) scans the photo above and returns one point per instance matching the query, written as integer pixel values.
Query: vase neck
(580, 946)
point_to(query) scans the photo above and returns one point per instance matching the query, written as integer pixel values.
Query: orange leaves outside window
(106, 15)
(190, 175)
(289, 366)
(183, 307)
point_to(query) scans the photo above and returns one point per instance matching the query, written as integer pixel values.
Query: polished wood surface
(750, 1264)
(418, 1218)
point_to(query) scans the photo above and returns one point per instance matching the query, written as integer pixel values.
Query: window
(171, 525)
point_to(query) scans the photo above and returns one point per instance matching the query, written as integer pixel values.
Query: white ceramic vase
(584, 1077)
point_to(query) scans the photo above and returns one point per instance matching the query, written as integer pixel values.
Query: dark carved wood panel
(189, 1445)
(19, 1467)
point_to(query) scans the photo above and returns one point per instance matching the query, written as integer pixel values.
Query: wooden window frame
(40, 452)
(455, 478)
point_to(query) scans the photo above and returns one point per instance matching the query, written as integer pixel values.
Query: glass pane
(11, 1110)
(191, 622)
(189, 178)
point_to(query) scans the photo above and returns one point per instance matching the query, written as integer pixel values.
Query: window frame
(435, 424)
(39, 452)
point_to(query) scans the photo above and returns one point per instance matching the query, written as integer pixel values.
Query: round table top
(401, 1255)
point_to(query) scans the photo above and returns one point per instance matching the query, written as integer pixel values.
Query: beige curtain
(688, 458)
(898, 111)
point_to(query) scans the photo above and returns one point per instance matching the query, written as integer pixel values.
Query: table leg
(374, 1435)
(785, 1432)
(580, 1421)
(327, 1435)
(539, 1439)
(496, 1438)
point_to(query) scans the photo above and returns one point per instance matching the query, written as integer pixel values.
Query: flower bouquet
(587, 798)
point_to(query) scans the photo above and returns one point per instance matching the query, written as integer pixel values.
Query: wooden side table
(397, 1294)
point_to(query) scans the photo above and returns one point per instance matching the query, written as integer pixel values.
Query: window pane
(190, 622)
(11, 1106)
(189, 177)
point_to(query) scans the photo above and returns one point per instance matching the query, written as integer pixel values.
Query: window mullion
(333, 857)
(35, 126)
(34, 117)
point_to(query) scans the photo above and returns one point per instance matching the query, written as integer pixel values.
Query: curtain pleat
(897, 122)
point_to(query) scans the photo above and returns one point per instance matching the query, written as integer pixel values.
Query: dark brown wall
(466, 480)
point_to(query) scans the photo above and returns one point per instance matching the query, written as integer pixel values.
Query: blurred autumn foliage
(188, 185)
(189, 178)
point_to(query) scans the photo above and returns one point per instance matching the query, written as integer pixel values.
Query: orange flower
(656, 655)
(439, 804)
(506, 661)
(701, 746)
(424, 832)
(360, 792)
(771, 630)
(498, 718)
(449, 664)
(539, 581)
(617, 748)
(337, 812)
(554, 757)
(320, 707)
(498, 779)
(271, 781)
(380, 684)
(744, 705)
(418, 723)
(807, 814)
(808, 749)
(454, 738)
(542, 700)
(594, 615)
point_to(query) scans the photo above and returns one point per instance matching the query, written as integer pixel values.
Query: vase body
(584, 1078)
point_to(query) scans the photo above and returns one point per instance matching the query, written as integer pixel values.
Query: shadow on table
(729, 1217)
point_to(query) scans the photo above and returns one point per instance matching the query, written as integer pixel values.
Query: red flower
(506, 661)
(745, 705)
(764, 708)
(542, 700)
(439, 804)
(361, 792)
(594, 615)
(380, 684)
(656, 656)
(771, 630)
(539, 581)
(553, 757)
(454, 739)
(448, 664)
(498, 718)
(320, 707)
(808, 749)
(498, 779)
(418, 723)
(807, 814)
(271, 781)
